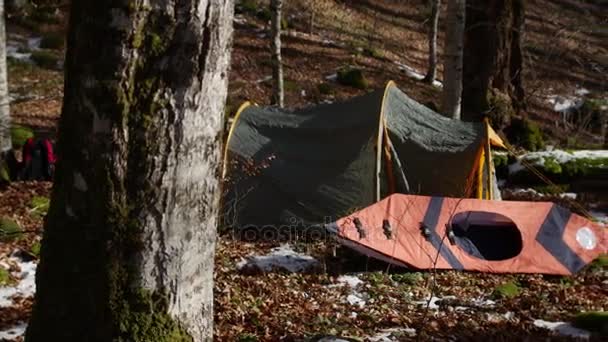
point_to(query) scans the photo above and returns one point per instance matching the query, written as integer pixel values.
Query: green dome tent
(314, 165)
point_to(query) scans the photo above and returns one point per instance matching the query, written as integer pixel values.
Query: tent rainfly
(315, 165)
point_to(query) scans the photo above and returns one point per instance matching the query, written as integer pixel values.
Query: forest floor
(343, 293)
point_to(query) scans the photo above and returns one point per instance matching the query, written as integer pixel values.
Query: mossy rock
(595, 321)
(4, 175)
(600, 263)
(35, 249)
(20, 134)
(39, 206)
(9, 230)
(5, 276)
(325, 89)
(290, 85)
(501, 165)
(352, 77)
(52, 40)
(526, 134)
(373, 52)
(410, 278)
(45, 59)
(247, 6)
(500, 108)
(570, 171)
(264, 14)
(507, 290)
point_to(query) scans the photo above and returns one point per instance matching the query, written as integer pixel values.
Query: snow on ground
(479, 303)
(19, 47)
(27, 282)
(560, 156)
(349, 280)
(392, 334)
(532, 192)
(355, 297)
(13, 332)
(564, 103)
(599, 216)
(413, 73)
(433, 303)
(563, 328)
(280, 258)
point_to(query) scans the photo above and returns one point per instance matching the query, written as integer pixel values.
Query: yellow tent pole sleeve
(230, 132)
(480, 174)
(488, 158)
(471, 177)
(389, 163)
(493, 138)
(379, 144)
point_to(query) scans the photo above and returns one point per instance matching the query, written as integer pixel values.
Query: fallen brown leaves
(276, 305)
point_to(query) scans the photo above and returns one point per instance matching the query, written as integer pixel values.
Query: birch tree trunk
(5, 116)
(452, 69)
(129, 239)
(278, 94)
(431, 73)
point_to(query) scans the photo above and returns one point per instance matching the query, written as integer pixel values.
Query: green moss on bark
(144, 318)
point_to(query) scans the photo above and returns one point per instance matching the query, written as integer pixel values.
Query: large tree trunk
(452, 68)
(278, 94)
(431, 73)
(128, 246)
(5, 117)
(493, 60)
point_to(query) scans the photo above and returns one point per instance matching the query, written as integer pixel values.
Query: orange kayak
(474, 235)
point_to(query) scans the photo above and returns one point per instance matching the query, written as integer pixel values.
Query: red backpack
(38, 160)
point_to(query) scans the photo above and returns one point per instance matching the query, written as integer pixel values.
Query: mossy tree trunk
(493, 84)
(431, 72)
(5, 118)
(278, 92)
(128, 245)
(452, 66)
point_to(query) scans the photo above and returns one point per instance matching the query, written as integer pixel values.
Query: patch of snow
(509, 315)
(563, 328)
(599, 216)
(12, 50)
(560, 156)
(392, 335)
(564, 103)
(332, 339)
(265, 79)
(483, 303)
(303, 93)
(26, 287)
(528, 191)
(434, 301)
(13, 332)
(357, 299)
(349, 280)
(328, 42)
(239, 19)
(332, 77)
(570, 195)
(413, 73)
(283, 257)
(582, 92)
(34, 43)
